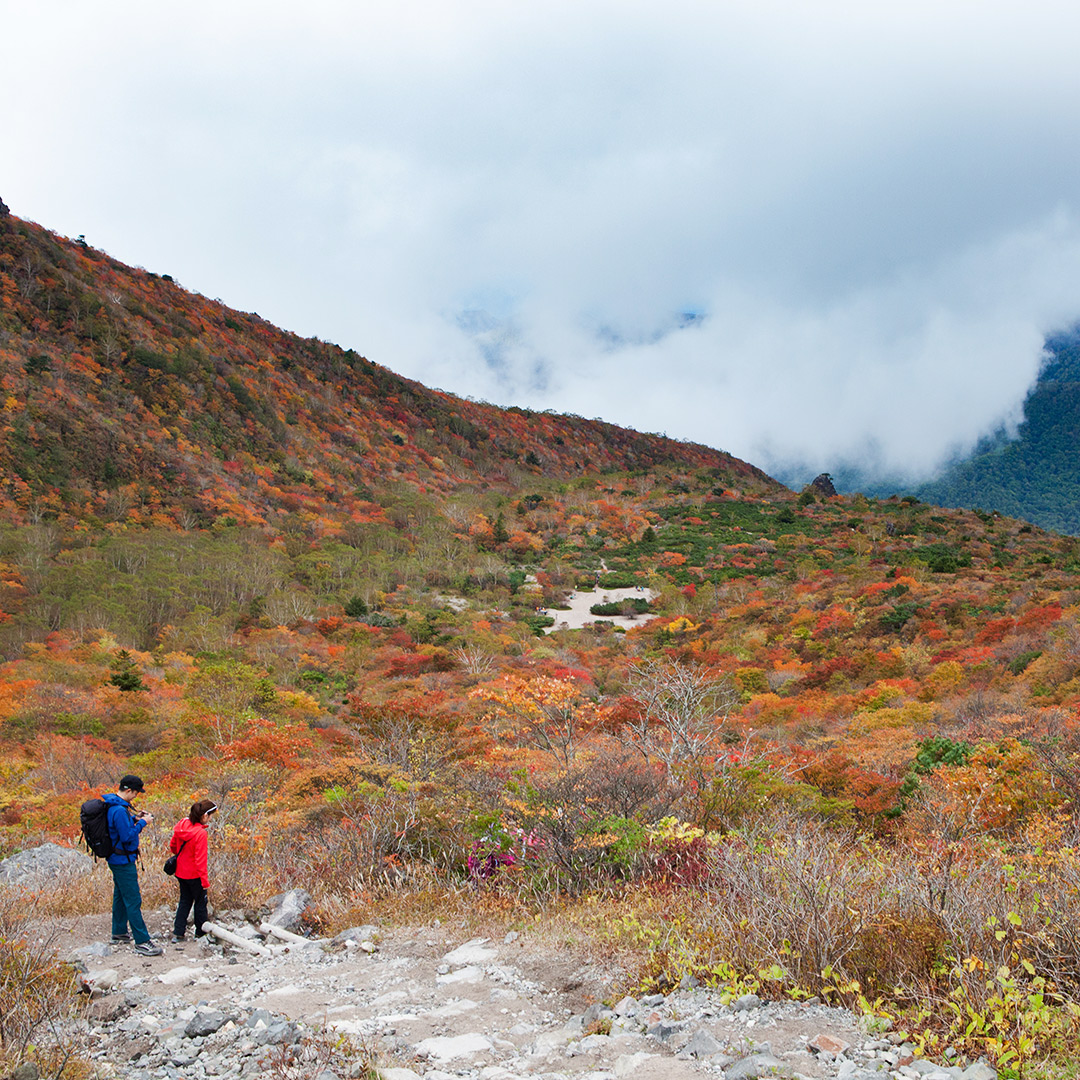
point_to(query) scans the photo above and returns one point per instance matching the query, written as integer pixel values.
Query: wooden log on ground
(235, 939)
(269, 930)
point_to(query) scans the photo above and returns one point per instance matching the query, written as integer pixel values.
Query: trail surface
(437, 1006)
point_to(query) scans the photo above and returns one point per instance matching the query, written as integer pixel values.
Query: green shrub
(1018, 665)
(617, 581)
(897, 616)
(942, 558)
(356, 608)
(538, 623)
(939, 750)
(616, 607)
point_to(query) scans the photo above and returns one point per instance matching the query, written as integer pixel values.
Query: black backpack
(94, 818)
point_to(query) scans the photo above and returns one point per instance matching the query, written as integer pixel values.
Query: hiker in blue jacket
(124, 828)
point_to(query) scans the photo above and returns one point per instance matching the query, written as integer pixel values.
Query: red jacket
(192, 860)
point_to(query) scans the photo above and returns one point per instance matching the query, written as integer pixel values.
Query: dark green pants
(127, 902)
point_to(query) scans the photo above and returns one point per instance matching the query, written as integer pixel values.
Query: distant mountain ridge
(1035, 476)
(127, 398)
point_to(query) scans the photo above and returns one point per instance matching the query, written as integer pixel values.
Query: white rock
(472, 952)
(179, 975)
(447, 1048)
(45, 861)
(595, 1042)
(462, 975)
(398, 1074)
(349, 1027)
(389, 998)
(284, 991)
(628, 1064)
(454, 1008)
(102, 979)
(552, 1040)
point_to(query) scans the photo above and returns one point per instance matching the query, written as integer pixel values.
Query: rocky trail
(432, 1005)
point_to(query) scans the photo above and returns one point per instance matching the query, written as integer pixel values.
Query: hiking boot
(148, 948)
(121, 939)
(177, 939)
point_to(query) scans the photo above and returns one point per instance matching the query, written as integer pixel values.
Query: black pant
(191, 892)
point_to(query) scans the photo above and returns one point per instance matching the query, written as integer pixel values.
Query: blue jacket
(124, 830)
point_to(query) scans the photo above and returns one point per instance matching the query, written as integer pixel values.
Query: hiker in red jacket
(189, 845)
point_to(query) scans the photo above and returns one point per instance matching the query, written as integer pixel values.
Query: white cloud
(872, 207)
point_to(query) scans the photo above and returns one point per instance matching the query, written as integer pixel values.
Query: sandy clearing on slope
(578, 614)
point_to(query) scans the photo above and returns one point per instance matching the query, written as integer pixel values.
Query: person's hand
(148, 818)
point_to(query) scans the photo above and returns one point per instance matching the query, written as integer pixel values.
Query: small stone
(688, 982)
(827, 1044)
(757, 1066)
(627, 1007)
(595, 1012)
(205, 1022)
(746, 1003)
(665, 1029)
(980, 1070)
(259, 1017)
(95, 950)
(625, 1025)
(99, 982)
(355, 934)
(279, 1033)
(702, 1044)
(594, 1042)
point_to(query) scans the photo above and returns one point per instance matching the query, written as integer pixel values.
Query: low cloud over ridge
(800, 236)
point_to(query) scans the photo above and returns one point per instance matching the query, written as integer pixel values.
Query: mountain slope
(128, 398)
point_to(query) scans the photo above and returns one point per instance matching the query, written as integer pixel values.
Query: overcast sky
(795, 231)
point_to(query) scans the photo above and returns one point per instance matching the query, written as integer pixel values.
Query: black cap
(131, 783)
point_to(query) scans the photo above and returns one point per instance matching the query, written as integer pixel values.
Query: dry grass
(787, 907)
(38, 1003)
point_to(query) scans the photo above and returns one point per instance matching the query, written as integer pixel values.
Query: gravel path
(437, 1007)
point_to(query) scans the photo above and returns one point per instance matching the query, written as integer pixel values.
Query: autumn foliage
(841, 742)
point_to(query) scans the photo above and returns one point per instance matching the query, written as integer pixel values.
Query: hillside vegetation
(837, 753)
(129, 400)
